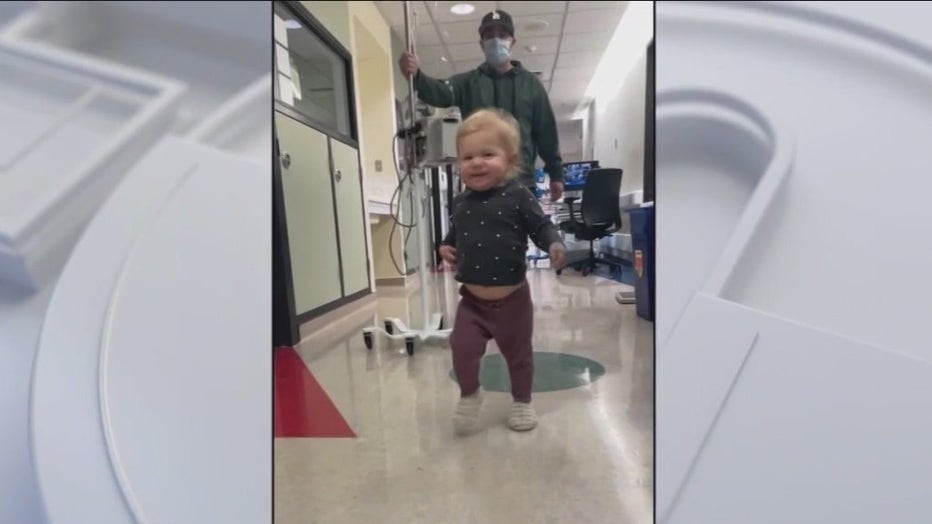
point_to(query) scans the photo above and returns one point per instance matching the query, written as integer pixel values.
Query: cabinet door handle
(286, 160)
(338, 175)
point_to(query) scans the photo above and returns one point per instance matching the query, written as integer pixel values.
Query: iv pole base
(395, 329)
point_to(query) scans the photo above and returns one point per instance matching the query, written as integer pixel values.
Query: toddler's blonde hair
(507, 130)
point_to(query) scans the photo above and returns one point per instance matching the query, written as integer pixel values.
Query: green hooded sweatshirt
(520, 93)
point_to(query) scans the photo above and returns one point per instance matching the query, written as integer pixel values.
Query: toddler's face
(484, 164)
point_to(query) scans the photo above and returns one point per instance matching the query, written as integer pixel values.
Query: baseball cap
(497, 18)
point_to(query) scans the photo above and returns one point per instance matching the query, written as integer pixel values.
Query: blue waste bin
(642, 240)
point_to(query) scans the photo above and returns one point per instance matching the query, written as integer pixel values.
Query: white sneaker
(523, 417)
(467, 413)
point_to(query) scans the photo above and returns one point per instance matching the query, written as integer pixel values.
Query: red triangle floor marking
(302, 407)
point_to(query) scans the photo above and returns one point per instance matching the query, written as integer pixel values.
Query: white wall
(370, 38)
(613, 114)
(377, 126)
(588, 131)
(406, 210)
(335, 17)
(617, 130)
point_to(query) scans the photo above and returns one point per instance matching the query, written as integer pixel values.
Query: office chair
(598, 217)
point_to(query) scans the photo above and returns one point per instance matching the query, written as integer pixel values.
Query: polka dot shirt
(490, 232)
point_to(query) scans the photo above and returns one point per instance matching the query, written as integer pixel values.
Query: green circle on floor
(552, 372)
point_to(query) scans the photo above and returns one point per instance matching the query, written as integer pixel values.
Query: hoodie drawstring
(514, 94)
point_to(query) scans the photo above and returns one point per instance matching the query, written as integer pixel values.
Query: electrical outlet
(378, 166)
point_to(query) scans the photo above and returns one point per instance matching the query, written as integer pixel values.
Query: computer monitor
(575, 173)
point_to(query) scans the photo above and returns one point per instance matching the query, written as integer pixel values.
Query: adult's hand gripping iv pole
(432, 323)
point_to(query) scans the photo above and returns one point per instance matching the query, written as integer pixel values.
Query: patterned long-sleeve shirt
(490, 232)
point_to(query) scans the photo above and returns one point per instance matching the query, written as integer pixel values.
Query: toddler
(487, 243)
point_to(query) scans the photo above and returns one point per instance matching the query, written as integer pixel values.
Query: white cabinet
(309, 213)
(318, 152)
(351, 219)
(324, 213)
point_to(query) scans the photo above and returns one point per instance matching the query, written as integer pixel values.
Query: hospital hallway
(367, 436)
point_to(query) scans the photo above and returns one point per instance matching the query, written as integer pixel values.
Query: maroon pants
(510, 321)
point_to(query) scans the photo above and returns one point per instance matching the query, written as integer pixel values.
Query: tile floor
(589, 460)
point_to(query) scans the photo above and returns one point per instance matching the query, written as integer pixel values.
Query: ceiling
(563, 41)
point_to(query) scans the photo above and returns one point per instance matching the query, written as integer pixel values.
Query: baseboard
(357, 308)
(397, 286)
(397, 280)
(390, 281)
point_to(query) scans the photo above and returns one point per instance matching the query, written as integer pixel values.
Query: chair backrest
(600, 197)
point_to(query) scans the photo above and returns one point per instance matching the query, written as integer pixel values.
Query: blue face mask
(497, 51)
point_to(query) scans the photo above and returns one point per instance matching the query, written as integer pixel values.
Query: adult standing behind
(503, 83)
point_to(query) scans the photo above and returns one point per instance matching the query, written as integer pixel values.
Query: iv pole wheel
(409, 345)
(367, 337)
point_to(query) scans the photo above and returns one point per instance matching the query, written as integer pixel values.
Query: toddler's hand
(557, 255)
(448, 254)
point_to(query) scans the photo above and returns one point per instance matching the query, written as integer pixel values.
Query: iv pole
(432, 323)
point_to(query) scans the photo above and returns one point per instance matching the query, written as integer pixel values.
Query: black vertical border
(649, 132)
